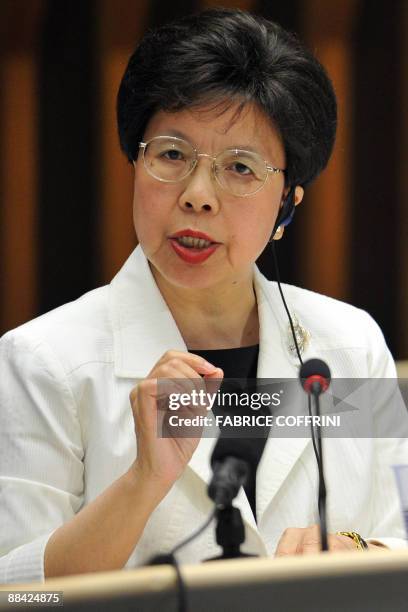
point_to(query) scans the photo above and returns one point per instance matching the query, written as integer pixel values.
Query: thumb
(214, 380)
(217, 373)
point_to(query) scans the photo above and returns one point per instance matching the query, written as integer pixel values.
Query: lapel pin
(302, 337)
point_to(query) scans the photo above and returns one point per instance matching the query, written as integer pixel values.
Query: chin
(190, 277)
(183, 275)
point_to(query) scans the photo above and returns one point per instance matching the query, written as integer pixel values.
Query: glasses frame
(268, 167)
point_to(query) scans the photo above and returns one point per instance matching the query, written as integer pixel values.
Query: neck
(216, 317)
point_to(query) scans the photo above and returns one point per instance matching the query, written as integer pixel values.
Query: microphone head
(247, 449)
(314, 370)
(233, 461)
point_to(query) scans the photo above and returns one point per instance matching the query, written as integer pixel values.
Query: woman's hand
(161, 460)
(305, 541)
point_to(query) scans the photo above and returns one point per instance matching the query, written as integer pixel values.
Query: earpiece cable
(292, 327)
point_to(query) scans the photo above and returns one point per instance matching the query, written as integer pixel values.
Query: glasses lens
(240, 172)
(169, 159)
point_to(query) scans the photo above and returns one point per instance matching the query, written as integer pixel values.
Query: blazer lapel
(143, 327)
(275, 362)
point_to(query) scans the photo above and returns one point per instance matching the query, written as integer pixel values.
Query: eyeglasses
(170, 159)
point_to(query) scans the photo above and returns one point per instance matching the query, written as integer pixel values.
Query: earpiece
(287, 211)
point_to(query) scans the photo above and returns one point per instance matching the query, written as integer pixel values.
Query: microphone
(232, 461)
(315, 376)
(315, 379)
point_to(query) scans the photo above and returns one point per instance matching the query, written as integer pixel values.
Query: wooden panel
(402, 229)
(375, 273)
(67, 153)
(327, 28)
(18, 147)
(121, 25)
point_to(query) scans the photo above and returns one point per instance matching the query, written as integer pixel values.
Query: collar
(144, 328)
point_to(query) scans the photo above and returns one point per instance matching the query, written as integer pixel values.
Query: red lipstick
(193, 255)
(193, 234)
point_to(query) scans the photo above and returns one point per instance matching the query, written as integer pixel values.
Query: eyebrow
(244, 147)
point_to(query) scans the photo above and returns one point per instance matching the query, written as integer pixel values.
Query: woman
(226, 118)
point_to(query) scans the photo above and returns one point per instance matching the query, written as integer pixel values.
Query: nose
(200, 192)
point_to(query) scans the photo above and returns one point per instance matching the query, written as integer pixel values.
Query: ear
(290, 198)
(299, 193)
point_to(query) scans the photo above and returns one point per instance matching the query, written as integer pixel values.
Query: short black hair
(234, 56)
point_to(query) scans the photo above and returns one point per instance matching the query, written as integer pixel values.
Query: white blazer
(66, 426)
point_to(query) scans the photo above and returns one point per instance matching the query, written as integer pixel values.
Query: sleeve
(41, 453)
(391, 442)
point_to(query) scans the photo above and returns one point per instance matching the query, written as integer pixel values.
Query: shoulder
(77, 332)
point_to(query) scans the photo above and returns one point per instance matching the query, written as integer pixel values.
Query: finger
(150, 410)
(184, 397)
(213, 381)
(311, 543)
(177, 380)
(198, 363)
(218, 373)
(144, 406)
(209, 387)
(289, 542)
(339, 543)
(186, 379)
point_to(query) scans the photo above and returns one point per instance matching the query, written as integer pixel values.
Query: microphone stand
(230, 533)
(229, 475)
(316, 391)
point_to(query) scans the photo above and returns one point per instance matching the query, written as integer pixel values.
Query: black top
(236, 363)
